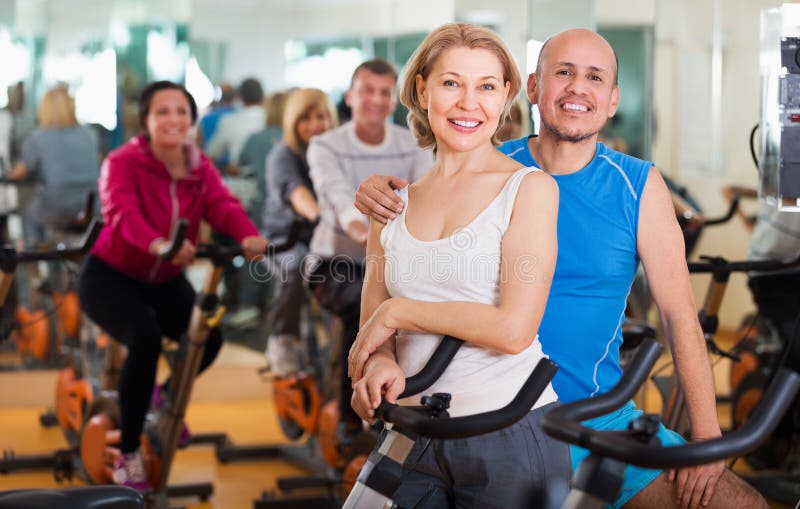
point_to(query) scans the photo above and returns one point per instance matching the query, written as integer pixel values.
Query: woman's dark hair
(150, 91)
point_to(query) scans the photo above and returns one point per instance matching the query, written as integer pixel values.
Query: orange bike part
(297, 399)
(152, 462)
(103, 340)
(745, 405)
(328, 443)
(748, 362)
(33, 333)
(68, 313)
(73, 397)
(350, 474)
(98, 453)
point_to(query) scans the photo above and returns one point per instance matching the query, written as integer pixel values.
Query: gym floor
(230, 397)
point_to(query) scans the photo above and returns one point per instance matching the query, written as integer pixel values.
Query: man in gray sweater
(338, 161)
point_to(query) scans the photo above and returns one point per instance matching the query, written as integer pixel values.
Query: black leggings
(138, 315)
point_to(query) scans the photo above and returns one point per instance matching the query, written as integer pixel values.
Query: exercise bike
(599, 477)
(50, 323)
(78, 391)
(383, 472)
(162, 431)
(94, 497)
(674, 412)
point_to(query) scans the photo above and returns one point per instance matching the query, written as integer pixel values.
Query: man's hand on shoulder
(376, 198)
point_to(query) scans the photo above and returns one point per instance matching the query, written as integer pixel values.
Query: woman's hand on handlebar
(382, 377)
(371, 335)
(253, 246)
(184, 256)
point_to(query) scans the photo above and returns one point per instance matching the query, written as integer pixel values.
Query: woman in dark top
(63, 156)
(308, 113)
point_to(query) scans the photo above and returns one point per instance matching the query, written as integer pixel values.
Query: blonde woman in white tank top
(471, 256)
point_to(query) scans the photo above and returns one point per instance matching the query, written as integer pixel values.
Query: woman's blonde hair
(276, 104)
(56, 109)
(299, 104)
(452, 35)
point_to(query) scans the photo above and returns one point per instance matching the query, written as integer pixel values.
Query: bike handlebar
(728, 215)
(61, 251)
(471, 425)
(719, 264)
(434, 368)
(168, 251)
(563, 422)
(215, 252)
(412, 420)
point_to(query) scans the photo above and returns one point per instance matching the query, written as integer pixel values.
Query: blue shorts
(636, 478)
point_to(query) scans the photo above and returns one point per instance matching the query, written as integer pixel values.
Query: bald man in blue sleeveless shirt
(615, 211)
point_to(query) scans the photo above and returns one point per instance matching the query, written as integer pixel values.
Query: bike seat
(86, 497)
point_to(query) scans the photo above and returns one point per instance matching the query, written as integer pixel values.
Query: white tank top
(462, 267)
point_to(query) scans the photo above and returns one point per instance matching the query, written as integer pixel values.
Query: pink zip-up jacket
(141, 202)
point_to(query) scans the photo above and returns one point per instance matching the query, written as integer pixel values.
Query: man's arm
(330, 180)
(661, 249)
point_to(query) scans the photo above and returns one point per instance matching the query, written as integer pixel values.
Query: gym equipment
(162, 431)
(61, 461)
(94, 497)
(52, 322)
(382, 473)
(304, 411)
(674, 413)
(692, 222)
(599, 477)
(779, 165)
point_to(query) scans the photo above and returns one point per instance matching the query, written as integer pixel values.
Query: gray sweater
(338, 163)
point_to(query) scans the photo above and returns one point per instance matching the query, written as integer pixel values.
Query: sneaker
(129, 471)
(157, 403)
(244, 318)
(282, 355)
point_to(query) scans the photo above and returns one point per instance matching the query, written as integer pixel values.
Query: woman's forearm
(501, 329)
(303, 203)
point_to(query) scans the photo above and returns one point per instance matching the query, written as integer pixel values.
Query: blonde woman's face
(464, 94)
(315, 121)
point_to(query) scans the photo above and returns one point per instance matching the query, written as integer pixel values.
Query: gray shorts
(516, 467)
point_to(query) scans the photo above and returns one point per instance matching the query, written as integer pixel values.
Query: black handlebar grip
(178, 236)
(728, 215)
(434, 368)
(563, 422)
(294, 235)
(762, 422)
(411, 420)
(89, 238)
(88, 208)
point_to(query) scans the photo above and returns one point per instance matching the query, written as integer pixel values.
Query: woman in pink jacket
(146, 186)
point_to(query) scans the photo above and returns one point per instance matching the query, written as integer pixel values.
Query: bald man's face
(575, 87)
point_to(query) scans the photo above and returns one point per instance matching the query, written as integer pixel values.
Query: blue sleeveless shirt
(598, 217)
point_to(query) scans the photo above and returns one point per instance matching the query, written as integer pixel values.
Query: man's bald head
(578, 36)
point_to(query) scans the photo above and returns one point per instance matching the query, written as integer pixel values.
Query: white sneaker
(244, 318)
(282, 354)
